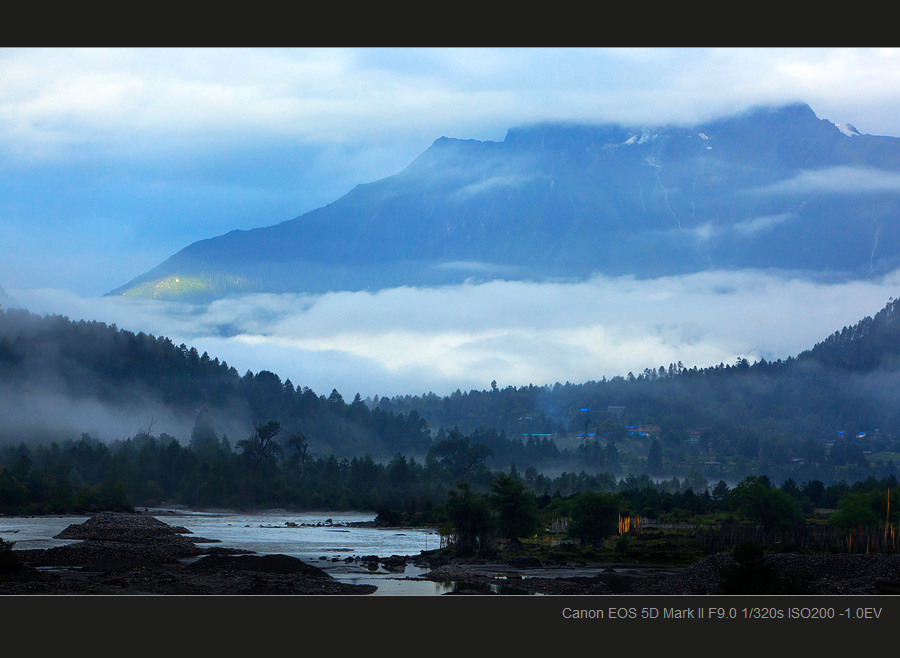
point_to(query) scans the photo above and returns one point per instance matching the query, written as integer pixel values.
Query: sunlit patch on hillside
(191, 288)
(171, 287)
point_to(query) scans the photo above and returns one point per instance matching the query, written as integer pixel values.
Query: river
(319, 538)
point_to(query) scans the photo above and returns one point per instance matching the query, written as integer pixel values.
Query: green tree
(468, 516)
(611, 454)
(861, 508)
(655, 458)
(458, 456)
(113, 496)
(300, 446)
(515, 506)
(400, 473)
(204, 440)
(761, 503)
(814, 490)
(720, 491)
(595, 516)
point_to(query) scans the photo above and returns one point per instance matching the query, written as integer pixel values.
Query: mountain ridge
(769, 188)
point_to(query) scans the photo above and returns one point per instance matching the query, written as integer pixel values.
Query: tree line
(451, 488)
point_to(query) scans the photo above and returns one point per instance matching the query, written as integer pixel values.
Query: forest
(684, 437)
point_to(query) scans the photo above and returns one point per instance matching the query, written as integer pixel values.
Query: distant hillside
(772, 188)
(773, 412)
(873, 343)
(59, 378)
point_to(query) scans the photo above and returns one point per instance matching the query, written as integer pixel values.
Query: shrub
(9, 562)
(750, 574)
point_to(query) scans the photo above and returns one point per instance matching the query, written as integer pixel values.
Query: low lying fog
(27, 414)
(412, 341)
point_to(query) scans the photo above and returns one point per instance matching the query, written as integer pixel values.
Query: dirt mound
(277, 563)
(114, 526)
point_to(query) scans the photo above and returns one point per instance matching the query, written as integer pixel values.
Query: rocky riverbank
(137, 554)
(847, 574)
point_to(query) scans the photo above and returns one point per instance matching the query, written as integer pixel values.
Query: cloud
(136, 153)
(491, 184)
(411, 341)
(125, 100)
(24, 413)
(755, 225)
(838, 180)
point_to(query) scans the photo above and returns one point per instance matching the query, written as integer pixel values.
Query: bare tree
(298, 442)
(261, 446)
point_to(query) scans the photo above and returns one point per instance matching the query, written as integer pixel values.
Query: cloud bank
(136, 153)
(412, 341)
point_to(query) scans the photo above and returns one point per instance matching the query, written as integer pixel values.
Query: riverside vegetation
(491, 516)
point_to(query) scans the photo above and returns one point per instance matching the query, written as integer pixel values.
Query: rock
(394, 562)
(277, 563)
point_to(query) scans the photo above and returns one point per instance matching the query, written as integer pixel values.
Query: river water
(319, 538)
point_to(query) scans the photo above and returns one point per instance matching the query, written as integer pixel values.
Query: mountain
(770, 188)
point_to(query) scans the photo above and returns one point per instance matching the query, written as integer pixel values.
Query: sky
(112, 160)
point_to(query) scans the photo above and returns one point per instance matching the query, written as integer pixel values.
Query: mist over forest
(829, 413)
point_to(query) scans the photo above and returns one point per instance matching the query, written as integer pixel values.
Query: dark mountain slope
(59, 378)
(871, 344)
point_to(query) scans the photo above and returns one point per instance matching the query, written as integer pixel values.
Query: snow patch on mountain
(643, 138)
